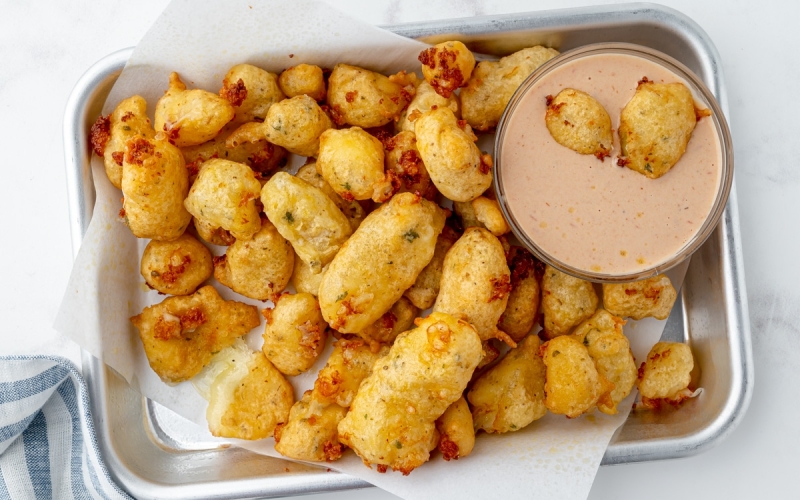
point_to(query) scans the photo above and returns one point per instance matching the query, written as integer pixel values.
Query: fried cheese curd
(573, 385)
(655, 127)
(609, 348)
(251, 91)
(447, 66)
(296, 124)
(405, 168)
(425, 289)
(110, 134)
(307, 217)
(212, 234)
(666, 374)
(295, 333)
(379, 262)
(493, 83)
(259, 267)
(578, 122)
(305, 278)
(391, 422)
(649, 297)
(424, 100)
(181, 334)
(154, 185)
(247, 396)
(366, 99)
(303, 79)
(487, 212)
(351, 209)
(454, 162)
(190, 117)
(566, 302)
(225, 195)
(510, 395)
(523, 301)
(394, 322)
(176, 267)
(250, 149)
(311, 431)
(351, 162)
(456, 432)
(476, 282)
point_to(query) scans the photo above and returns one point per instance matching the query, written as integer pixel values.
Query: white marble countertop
(47, 45)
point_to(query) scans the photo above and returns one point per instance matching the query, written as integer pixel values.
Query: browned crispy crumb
(500, 287)
(333, 451)
(99, 134)
(233, 93)
(486, 164)
(448, 448)
(137, 150)
(118, 156)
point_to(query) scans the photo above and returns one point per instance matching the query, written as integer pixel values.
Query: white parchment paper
(552, 458)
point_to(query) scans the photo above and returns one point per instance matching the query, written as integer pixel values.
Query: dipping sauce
(595, 216)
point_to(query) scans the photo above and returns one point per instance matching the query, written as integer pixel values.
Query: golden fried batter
(295, 333)
(176, 267)
(609, 348)
(367, 99)
(351, 209)
(254, 151)
(640, 299)
(251, 91)
(523, 301)
(447, 66)
(425, 99)
(310, 432)
(577, 121)
(454, 162)
(350, 363)
(303, 79)
(110, 134)
(181, 333)
(379, 262)
(566, 301)
(259, 267)
(154, 185)
(296, 125)
(456, 434)
(655, 127)
(573, 385)
(392, 419)
(405, 167)
(510, 395)
(425, 289)
(190, 117)
(224, 195)
(351, 162)
(475, 281)
(666, 374)
(249, 397)
(395, 321)
(493, 83)
(307, 217)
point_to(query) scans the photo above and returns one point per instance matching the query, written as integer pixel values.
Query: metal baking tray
(154, 453)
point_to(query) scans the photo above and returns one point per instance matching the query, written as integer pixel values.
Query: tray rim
(80, 190)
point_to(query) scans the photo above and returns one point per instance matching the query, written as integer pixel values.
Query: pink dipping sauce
(593, 215)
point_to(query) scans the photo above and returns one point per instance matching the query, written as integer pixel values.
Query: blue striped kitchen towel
(48, 447)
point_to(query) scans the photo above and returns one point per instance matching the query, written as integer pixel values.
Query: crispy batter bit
(137, 149)
(175, 271)
(351, 96)
(500, 287)
(99, 134)
(234, 94)
(118, 156)
(486, 164)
